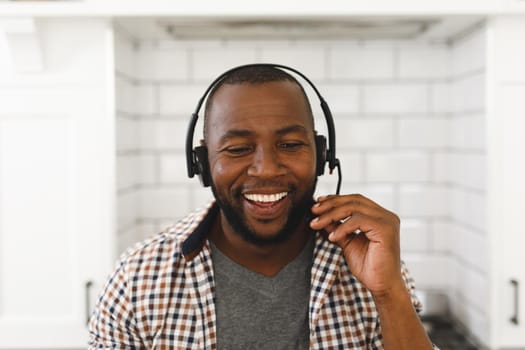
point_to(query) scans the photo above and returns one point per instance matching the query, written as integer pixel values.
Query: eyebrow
(291, 128)
(245, 133)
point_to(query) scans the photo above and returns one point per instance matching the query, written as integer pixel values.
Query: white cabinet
(506, 142)
(55, 218)
(507, 214)
(56, 194)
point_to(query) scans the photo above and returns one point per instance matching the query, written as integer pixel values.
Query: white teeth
(265, 197)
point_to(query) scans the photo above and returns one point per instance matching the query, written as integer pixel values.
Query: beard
(299, 214)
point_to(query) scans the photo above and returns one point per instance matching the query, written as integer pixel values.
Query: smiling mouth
(265, 198)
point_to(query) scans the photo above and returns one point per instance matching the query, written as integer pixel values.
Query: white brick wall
(410, 134)
(161, 65)
(424, 133)
(424, 62)
(364, 134)
(354, 62)
(397, 167)
(209, 63)
(395, 98)
(180, 99)
(466, 160)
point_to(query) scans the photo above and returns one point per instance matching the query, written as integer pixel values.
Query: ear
(320, 150)
(203, 167)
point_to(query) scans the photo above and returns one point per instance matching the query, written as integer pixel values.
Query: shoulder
(163, 250)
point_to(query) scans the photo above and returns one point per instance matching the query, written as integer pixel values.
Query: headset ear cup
(202, 166)
(320, 147)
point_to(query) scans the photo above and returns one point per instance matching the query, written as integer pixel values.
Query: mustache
(262, 185)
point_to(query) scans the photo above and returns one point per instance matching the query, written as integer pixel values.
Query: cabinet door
(512, 283)
(56, 212)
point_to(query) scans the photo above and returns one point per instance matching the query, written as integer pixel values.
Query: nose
(266, 163)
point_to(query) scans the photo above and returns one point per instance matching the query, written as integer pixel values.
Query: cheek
(223, 172)
(304, 167)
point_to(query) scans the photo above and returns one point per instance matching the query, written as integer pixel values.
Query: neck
(267, 260)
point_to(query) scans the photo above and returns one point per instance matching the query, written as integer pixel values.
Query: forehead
(258, 106)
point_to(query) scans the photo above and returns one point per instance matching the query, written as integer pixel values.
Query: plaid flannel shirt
(161, 296)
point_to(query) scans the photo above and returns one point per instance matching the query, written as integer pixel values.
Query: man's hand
(372, 254)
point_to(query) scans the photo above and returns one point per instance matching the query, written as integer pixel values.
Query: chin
(266, 232)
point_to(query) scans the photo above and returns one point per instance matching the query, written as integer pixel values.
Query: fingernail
(314, 220)
(317, 204)
(331, 236)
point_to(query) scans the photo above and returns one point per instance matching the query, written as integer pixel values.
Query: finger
(327, 214)
(359, 225)
(324, 223)
(345, 230)
(314, 224)
(347, 240)
(337, 200)
(356, 202)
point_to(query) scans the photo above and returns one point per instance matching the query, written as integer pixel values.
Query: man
(264, 266)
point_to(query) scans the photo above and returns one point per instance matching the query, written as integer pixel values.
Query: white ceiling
(434, 28)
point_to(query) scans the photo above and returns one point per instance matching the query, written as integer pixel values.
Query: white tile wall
(125, 98)
(127, 210)
(468, 53)
(128, 175)
(424, 200)
(354, 62)
(415, 235)
(442, 232)
(162, 65)
(440, 98)
(405, 166)
(468, 243)
(309, 61)
(468, 208)
(180, 99)
(382, 194)
(470, 249)
(395, 98)
(442, 172)
(468, 93)
(424, 62)
(470, 170)
(420, 265)
(124, 54)
(165, 202)
(162, 134)
(410, 134)
(148, 165)
(342, 98)
(127, 133)
(172, 169)
(424, 133)
(209, 63)
(146, 99)
(467, 132)
(363, 134)
(352, 167)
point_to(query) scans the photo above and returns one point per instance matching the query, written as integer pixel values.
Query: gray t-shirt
(258, 312)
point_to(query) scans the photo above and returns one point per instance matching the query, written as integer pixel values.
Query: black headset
(197, 158)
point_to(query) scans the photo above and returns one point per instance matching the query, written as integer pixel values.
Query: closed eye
(290, 146)
(238, 150)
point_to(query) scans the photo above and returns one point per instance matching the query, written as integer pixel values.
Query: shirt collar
(193, 244)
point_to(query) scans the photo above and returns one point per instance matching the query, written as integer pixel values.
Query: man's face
(262, 159)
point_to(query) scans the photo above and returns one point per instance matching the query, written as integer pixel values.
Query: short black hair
(254, 74)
